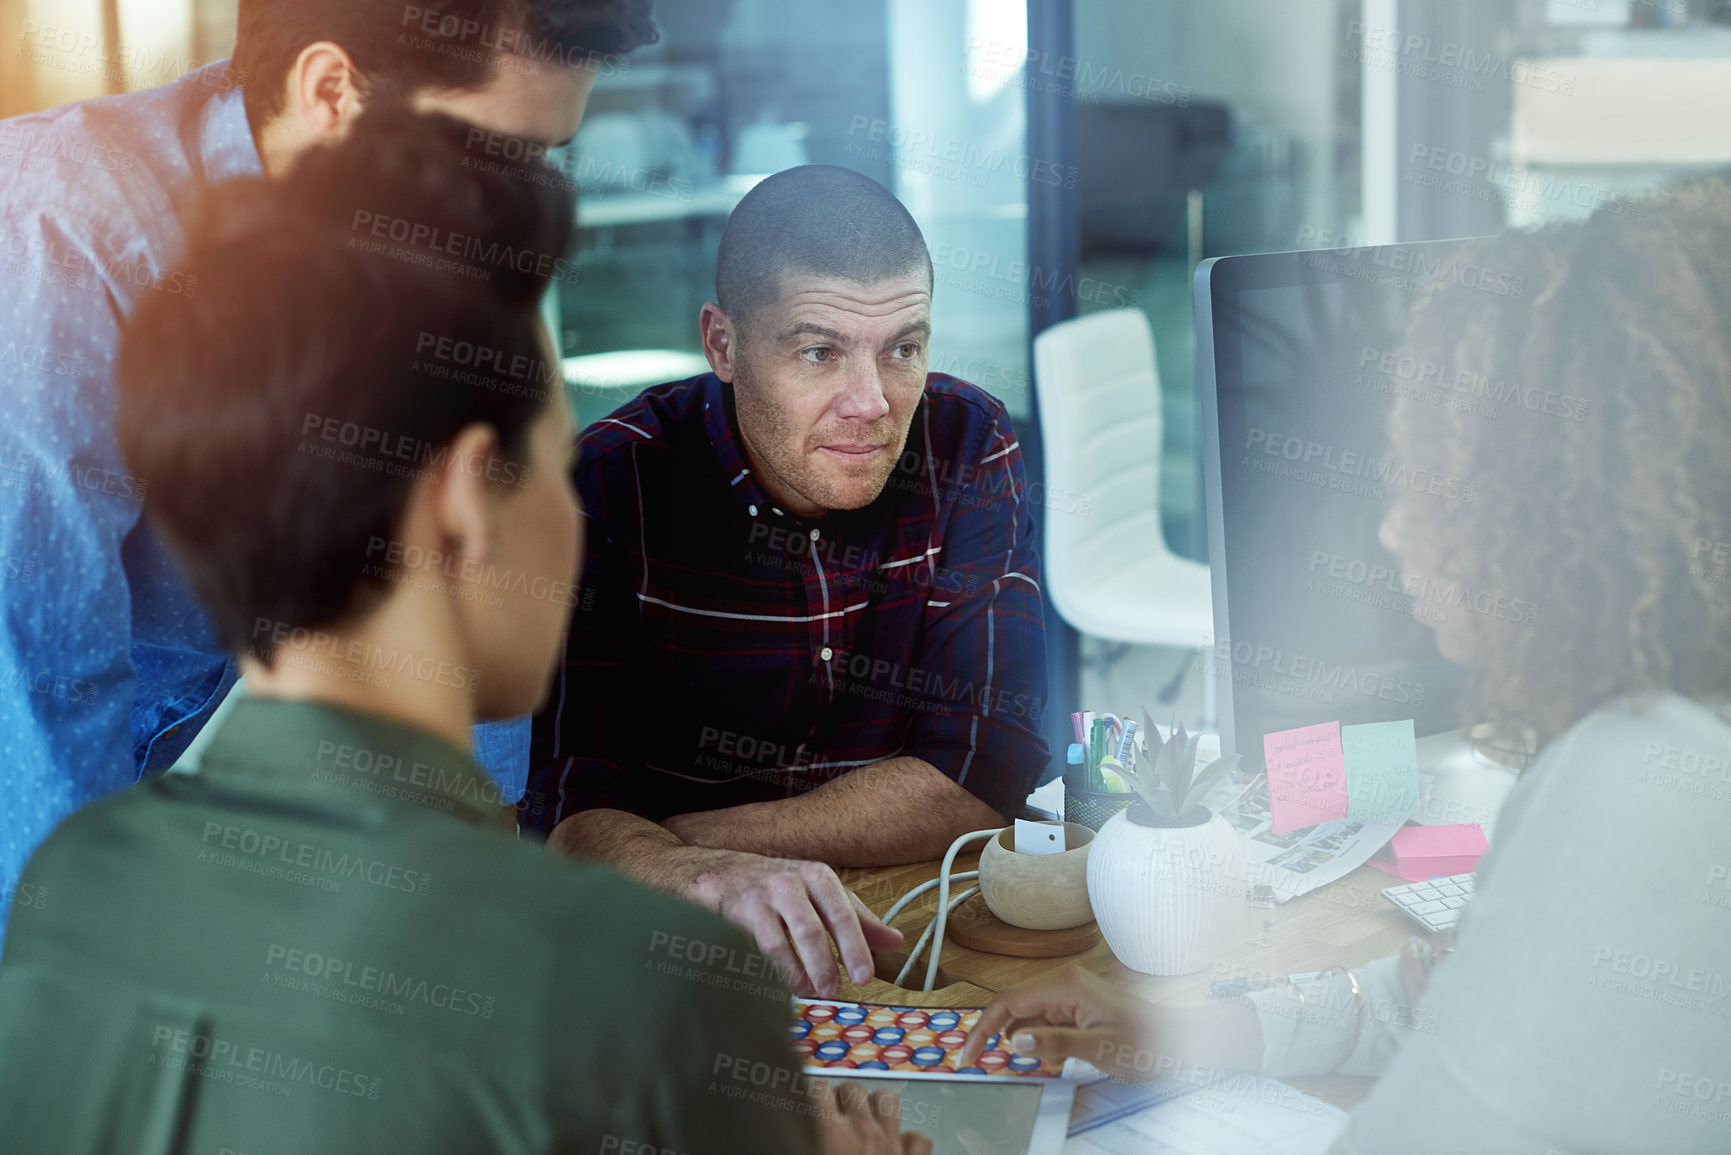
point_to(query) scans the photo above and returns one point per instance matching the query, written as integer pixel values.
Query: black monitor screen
(1313, 619)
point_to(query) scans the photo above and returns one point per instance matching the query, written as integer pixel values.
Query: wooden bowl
(1038, 891)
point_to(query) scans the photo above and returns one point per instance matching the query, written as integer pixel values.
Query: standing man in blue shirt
(108, 666)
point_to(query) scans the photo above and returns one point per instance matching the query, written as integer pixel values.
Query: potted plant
(1166, 876)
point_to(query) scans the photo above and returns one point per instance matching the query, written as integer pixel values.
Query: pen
(1096, 744)
(1127, 744)
(1230, 988)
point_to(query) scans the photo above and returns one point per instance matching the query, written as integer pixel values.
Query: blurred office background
(1062, 156)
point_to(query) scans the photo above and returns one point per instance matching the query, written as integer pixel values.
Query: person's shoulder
(962, 418)
(964, 438)
(1645, 769)
(1646, 738)
(571, 920)
(954, 403)
(643, 452)
(657, 419)
(100, 819)
(546, 881)
(77, 867)
(108, 168)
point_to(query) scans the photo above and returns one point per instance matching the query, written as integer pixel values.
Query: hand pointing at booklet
(1075, 1016)
(1080, 1016)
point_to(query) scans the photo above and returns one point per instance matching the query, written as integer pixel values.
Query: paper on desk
(1381, 770)
(1048, 800)
(1235, 1115)
(1306, 775)
(1297, 862)
(1038, 837)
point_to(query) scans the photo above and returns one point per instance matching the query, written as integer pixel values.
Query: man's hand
(1073, 1016)
(851, 1122)
(777, 900)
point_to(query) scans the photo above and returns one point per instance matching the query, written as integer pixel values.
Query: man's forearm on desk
(892, 812)
(647, 851)
(631, 844)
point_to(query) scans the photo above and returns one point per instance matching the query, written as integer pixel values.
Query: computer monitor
(1297, 368)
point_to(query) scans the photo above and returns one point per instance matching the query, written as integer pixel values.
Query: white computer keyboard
(1434, 905)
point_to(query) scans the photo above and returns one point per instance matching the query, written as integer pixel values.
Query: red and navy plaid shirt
(725, 652)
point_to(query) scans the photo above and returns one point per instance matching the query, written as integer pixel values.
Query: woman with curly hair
(1587, 1004)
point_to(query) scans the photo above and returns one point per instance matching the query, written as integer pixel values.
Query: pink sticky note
(1416, 853)
(1448, 841)
(1306, 776)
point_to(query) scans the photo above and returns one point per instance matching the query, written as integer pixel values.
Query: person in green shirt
(327, 938)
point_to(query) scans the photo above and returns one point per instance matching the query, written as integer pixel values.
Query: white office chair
(1109, 570)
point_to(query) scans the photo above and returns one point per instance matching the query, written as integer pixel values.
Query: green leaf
(1147, 787)
(1169, 781)
(1185, 745)
(1205, 781)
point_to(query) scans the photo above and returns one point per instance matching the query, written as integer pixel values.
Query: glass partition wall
(740, 89)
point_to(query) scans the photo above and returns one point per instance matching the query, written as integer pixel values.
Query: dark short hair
(820, 219)
(281, 409)
(401, 47)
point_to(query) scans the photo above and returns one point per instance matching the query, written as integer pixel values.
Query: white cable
(944, 896)
(926, 936)
(902, 902)
(938, 943)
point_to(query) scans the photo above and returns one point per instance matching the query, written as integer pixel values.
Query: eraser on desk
(1038, 837)
(1417, 853)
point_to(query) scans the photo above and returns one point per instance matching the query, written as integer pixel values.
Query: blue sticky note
(1381, 771)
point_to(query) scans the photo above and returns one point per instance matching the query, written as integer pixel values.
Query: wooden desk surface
(1347, 923)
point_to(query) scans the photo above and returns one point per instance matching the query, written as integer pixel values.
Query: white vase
(1168, 899)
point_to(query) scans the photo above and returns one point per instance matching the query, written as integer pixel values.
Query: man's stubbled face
(826, 381)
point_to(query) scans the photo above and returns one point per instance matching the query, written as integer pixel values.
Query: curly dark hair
(1603, 481)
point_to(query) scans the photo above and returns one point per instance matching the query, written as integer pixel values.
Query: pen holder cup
(1038, 891)
(1094, 810)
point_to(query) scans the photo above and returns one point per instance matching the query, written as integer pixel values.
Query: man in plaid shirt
(809, 634)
